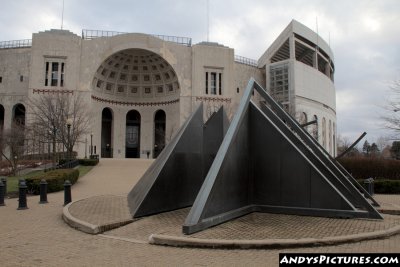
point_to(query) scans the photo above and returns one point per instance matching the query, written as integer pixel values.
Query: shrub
(384, 186)
(363, 168)
(387, 186)
(55, 180)
(88, 162)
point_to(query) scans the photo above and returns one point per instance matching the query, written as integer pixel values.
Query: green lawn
(12, 181)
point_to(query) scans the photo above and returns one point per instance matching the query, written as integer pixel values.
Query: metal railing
(16, 44)
(93, 34)
(246, 61)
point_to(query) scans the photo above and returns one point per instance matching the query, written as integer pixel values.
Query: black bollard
(4, 180)
(22, 202)
(67, 192)
(2, 193)
(43, 192)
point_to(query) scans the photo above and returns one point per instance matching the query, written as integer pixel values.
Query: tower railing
(16, 44)
(93, 34)
(246, 61)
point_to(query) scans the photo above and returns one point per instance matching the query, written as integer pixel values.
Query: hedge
(387, 186)
(377, 168)
(55, 180)
(384, 186)
(88, 162)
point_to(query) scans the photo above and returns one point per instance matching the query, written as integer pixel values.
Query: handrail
(93, 34)
(16, 44)
(246, 61)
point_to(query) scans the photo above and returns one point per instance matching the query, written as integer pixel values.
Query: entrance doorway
(132, 140)
(159, 132)
(106, 133)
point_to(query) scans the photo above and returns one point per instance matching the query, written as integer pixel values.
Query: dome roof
(136, 73)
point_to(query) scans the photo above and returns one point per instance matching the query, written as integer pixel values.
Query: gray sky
(364, 36)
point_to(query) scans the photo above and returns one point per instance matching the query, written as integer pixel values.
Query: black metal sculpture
(269, 163)
(266, 162)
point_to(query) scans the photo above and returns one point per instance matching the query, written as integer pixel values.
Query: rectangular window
(62, 75)
(206, 83)
(1, 79)
(220, 83)
(21, 78)
(46, 77)
(279, 83)
(213, 87)
(54, 74)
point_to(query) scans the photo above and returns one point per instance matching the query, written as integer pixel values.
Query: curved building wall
(135, 75)
(299, 71)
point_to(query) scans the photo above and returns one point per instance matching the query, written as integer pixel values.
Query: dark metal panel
(322, 195)
(214, 131)
(295, 177)
(165, 185)
(230, 190)
(266, 161)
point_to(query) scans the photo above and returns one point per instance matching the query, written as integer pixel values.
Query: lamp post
(69, 123)
(85, 147)
(53, 133)
(91, 145)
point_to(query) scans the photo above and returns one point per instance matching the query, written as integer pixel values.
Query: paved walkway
(39, 237)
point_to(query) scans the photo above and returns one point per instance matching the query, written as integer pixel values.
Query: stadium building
(140, 88)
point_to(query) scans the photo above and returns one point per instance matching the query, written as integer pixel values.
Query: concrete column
(315, 58)
(8, 114)
(217, 83)
(292, 47)
(119, 132)
(146, 131)
(328, 69)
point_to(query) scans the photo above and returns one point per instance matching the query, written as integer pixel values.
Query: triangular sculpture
(268, 163)
(175, 177)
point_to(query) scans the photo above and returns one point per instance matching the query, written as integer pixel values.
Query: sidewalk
(256, 230)
(38, 236)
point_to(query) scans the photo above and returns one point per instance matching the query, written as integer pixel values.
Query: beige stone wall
(243, 73)
(211, 57)
(60, 46)
(14, 64)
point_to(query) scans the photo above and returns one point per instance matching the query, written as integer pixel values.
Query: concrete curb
(88, 227)
(181, 241)
(389, 211)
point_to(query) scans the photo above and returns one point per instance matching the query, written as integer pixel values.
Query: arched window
(159, 132)
(330, 137)
(334, 139)
(1, 117)
(19, 114)
(106, 133)
(314, 131)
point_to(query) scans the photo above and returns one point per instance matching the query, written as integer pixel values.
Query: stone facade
(140, 88)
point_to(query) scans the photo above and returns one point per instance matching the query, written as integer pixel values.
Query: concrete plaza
(39, 236)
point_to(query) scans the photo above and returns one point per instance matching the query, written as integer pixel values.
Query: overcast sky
(364, 36)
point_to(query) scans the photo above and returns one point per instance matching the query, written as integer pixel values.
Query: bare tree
(392, 109)
(50, 114)
(12, 145)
